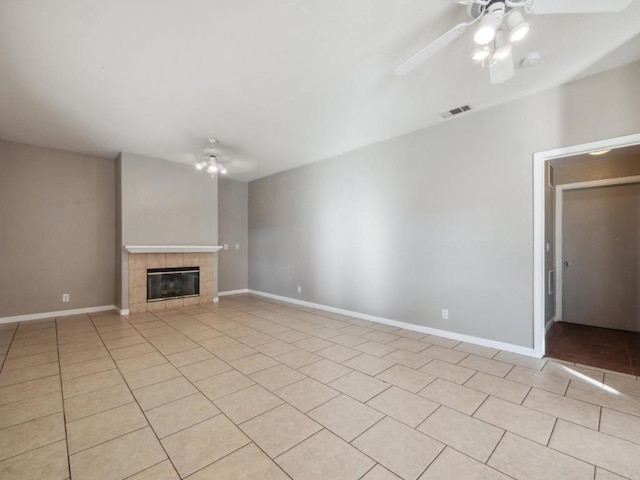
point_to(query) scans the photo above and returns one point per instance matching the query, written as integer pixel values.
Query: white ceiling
(283, 82)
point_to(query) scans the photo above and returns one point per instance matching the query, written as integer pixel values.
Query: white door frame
(539, 271)
(559, 194)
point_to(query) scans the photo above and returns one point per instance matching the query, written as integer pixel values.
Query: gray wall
(163, 203)
(440, 218)
(233, 226)
(57, 230)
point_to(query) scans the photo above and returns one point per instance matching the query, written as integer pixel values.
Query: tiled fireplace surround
(140, 262)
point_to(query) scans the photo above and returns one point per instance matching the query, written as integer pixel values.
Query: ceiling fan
(211, 160)
(501, 23)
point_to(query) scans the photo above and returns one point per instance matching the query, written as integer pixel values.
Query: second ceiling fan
(501, 24)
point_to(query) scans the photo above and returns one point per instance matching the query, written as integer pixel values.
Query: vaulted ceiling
(280, 82)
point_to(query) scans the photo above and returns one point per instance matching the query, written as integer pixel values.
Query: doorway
(552, 332)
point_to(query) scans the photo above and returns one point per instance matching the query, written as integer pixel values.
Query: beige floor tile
(345, 417)
(273, 349)
(360, 386)
(306, 394)
(151, 375)
(572, 372)
(188, 357)
(610, 453)
(324, 456)
(536, 379)
(325, 333)
(277, 377)
(297, 358)
(99, 428)
(163, 392)
(338, 353)
(235, 352)
(83, 345)
(452, 465)
(280, 429)
(141, 362)
(405, 407)
(604, 475)
(478, 350)
(30, 409)
(161, 471)
(445, 354)
(132, 351)
(369, 364)
(348, 340)
(466, 434)
(523, 421)
(118, 458)
(381, 337)
(521, 360)
(486, 365)
(312, 344)
(375, 348)
(30, 360)
(248, 403)
(401, 449)
(205, 369)
(380, 473)
(253, 363)
(180, 414)
(18, 352)
(224, 384)
(605, 396)
(618, 424)
(409, 345)
(575, 411)
(463, 399)
(172, 343)
(498, 387)
(33, 434)
(87, 368)
(526, 460)
(82, 356)
(406, 378)
(247, 463)
(95, 402)
(49, 462)
(325, 371)
(216, 343)
(91, 383)
(196, 447)
(440, 341)
(124, 341)
(29, 373)
(448, 371)
(409, 359)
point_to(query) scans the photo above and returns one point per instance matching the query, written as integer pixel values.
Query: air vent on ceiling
(455, 111)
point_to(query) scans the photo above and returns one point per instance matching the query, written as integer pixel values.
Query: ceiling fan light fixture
(517, 26)
(201, 165)
(481, 53)
(487, 30)
(211, 169)
(502, 47)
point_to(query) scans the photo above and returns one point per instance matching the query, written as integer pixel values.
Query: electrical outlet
(237, 246)
(445, 314)
(299, 289)
(226, 246)
(65, 297)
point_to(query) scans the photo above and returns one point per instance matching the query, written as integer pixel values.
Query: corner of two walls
(233, 221)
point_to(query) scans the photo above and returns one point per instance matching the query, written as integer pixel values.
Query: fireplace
(176, 282)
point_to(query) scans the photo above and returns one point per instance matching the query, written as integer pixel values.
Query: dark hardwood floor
(616, 350)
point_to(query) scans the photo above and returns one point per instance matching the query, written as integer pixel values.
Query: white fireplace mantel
(172, 248)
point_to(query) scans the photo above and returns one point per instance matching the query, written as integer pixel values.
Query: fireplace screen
(163, 283)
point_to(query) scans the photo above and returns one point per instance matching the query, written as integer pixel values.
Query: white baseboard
(60, 313)
(233, 292)
(549, 324)
(507, 347)
(122, 311)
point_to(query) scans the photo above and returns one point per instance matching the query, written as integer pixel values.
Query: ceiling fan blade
(543, 7)
(430, 50)
(502, 70)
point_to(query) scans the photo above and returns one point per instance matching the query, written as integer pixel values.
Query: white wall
(233, 226)
(440, 218)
